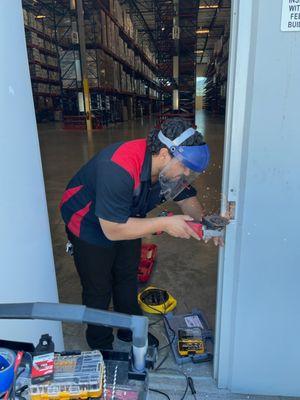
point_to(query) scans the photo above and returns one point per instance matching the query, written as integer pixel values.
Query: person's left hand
(218, 241)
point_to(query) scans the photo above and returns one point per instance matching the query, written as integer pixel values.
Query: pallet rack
(44, 67)
(215, 90)
(122, 72)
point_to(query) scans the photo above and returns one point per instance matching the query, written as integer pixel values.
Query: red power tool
(210, 226)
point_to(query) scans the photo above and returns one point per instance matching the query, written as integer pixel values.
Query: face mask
(185, 166)
(175, 177)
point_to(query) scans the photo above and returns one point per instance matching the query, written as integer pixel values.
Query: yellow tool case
(77, 376)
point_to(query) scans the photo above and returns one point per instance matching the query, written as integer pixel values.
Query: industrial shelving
(216, 83)
(44, 67)
(122, 73)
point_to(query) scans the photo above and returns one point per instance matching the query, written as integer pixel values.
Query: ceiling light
(202, 31)
(163, 28)
(40, 17)
(209, 6)
(199, 51)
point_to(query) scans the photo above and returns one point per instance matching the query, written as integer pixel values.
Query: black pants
(107, 272)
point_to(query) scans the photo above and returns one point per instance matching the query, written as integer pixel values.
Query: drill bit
(104, 382)
(114, 384)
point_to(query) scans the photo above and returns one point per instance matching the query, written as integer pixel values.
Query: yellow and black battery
(190, 342)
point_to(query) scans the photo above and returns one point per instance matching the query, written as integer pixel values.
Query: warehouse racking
(122, 73)
(44, 67)
(216, 83)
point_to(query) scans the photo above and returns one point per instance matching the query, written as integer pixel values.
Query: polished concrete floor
(186, 268)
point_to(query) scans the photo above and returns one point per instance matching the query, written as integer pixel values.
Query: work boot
(126, 336)
(99, 339)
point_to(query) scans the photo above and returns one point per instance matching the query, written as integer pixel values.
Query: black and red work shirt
(114, 185)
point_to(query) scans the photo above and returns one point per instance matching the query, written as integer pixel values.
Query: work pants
(105, 273)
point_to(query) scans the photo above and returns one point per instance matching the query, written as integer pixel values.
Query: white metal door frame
(240, 40)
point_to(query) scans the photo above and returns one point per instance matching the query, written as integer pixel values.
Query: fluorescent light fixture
(202, 31)
(199, 51)
(40, 17)
(208, 6)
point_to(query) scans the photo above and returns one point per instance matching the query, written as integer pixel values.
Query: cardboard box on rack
(103, 28)
(89, 32)
(91, 61)
(39, 26)
(119, 12)
(35, 71)
(31, 20)
(101, 68)
(53, 61)
(34, 54)
(32, 38)
(98, 29)
(65, 30)
(55, 89)
(122, 80)
(113, 36)
(49, 32)
(25, 17)
(53, 75)
(108, 31)
(111, 7)
(117, 41)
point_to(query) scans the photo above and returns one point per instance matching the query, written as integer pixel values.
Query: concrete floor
(188, 269)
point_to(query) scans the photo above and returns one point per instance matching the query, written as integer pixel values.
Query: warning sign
(290, 17)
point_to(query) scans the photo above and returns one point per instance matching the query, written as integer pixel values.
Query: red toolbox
(148, 256)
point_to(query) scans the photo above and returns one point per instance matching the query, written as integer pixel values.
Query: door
(257, 347)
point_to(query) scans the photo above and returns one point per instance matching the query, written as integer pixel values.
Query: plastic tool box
(148, 257)
(75, 377)
(194, 320)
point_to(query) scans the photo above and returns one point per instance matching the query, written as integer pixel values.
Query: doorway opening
(126, 97)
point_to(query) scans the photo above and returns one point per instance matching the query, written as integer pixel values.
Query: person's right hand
(176, 226)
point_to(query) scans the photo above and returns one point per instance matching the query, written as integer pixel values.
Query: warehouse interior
(81, 75)
(104, 71)
(136, 63)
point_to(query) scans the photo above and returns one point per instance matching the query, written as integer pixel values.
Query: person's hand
(218, 241)
(176, 226)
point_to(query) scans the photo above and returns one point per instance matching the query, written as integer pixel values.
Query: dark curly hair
(172, 128)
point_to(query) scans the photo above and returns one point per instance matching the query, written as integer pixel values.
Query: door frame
(232, 191)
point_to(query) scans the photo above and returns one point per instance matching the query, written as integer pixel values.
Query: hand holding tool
(211, 226)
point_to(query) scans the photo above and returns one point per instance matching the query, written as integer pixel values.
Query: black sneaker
(126, 336)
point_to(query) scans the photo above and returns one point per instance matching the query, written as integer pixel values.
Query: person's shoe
(126, 336)
(99, 345)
